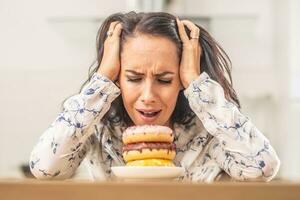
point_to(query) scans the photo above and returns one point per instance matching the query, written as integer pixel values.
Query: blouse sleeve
(62, 147)
(238, 146)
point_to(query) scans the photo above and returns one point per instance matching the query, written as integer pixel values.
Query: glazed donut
(151, 162)
(148, 133)
(147, 153)
(145, 150)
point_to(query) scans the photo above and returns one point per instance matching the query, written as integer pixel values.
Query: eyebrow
(158, 75)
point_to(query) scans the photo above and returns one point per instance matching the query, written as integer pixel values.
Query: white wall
(46, 49)
(287, 62)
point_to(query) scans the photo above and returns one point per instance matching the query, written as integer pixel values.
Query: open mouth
(149, 114)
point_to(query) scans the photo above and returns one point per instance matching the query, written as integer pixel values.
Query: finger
(112, 25)
(195, 31)
(182, 33)
(111, 28)
(117, 30)
(192, 27)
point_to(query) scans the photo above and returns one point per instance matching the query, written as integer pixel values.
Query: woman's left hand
(191, 52)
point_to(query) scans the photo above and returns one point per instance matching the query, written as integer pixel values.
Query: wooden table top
(35, 190)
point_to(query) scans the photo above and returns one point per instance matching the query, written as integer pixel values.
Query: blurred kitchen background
(46, 48)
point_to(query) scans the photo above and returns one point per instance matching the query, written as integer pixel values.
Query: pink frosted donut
(148, 133)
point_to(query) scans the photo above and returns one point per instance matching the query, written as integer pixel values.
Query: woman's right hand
(110, 64)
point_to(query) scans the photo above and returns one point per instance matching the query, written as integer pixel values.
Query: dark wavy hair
(214, 61)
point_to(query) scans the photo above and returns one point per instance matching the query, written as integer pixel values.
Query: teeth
(149, 114)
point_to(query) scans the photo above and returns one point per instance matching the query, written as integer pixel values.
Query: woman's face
(149, 79)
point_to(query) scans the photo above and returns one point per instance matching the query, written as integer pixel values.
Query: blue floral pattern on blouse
(219, 140)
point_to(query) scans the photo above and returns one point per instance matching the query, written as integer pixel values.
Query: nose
(148, 93)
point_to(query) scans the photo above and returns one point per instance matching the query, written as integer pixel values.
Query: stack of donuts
(148, 145)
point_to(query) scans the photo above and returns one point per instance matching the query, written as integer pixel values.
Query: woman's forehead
(148, 51)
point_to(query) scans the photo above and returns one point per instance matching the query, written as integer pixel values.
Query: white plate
(147, 172)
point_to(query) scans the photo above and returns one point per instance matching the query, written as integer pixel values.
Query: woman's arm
(238, 147)
(65, 143)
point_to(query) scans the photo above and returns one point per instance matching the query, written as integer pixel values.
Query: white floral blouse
(220, 139)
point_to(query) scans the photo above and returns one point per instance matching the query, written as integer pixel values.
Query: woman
(155, 69)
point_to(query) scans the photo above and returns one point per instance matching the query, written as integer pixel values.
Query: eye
(134, 79)
(165, 81)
